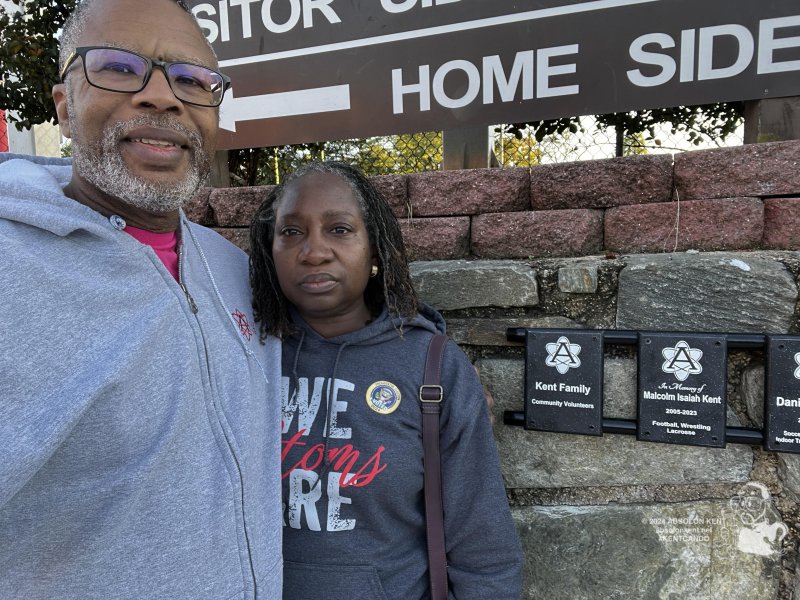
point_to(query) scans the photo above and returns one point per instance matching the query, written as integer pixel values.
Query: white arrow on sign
(283, 104)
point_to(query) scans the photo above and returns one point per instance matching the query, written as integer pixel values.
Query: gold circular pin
(383, 397)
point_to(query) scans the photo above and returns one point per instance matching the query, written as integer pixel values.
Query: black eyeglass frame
(152, 63)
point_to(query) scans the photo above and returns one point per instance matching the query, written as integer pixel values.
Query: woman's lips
(318, 282)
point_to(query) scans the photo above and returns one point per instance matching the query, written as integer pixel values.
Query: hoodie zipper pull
(192, 305)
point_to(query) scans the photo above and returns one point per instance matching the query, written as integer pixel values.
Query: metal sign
(782, 406)
(682, 381)
(564, 381)
(311, 70)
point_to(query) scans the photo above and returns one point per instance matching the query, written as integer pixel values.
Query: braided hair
(392, 287)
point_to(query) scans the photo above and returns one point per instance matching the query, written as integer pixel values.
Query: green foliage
(406, 153)
(266, 166)
(411, 153)
(522, 151)
(29, 59)
(634, 144)
(699, 123)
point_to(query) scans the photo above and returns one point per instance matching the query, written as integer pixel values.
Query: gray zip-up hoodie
(139, 436)
(351, 418)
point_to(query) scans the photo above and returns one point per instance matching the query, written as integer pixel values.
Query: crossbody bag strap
(431, 396)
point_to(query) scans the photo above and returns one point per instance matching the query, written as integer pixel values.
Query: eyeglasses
(118, 70)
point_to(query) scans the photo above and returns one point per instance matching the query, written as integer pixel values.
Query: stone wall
(701, 241)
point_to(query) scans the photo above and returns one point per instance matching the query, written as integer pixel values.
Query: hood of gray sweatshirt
(139, 436)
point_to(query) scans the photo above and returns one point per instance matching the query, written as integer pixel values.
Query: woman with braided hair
(330, 278)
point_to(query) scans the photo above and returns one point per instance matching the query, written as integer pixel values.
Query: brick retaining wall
(742, 198)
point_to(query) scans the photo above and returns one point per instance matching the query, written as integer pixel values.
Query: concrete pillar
(21, 142)
(772, 120)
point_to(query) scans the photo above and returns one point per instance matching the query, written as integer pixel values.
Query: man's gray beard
(102, 165)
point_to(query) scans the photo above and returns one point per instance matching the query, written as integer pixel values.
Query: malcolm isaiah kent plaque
(682, 379)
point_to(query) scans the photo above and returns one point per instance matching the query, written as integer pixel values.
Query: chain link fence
(42, 140)
(47, 139)
(512, 146)
(592, 141)
(3, 132)
(407, 153)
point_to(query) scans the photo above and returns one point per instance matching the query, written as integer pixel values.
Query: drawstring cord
(329, 400)
(326, 463)
(295, 376)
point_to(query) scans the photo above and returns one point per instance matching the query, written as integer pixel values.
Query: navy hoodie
(352, 465)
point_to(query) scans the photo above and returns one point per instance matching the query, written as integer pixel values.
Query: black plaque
(782, 406)
(682, 382)
(564, 381)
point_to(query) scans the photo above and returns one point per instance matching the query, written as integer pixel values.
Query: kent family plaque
(564, 381)
(682, 380)
(783, 394)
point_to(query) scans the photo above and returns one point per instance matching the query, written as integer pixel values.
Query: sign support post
(467, 148)
(772, 120)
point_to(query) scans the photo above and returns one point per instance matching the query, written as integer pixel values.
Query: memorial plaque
(682, 382)
(782, 406)
(564, 381)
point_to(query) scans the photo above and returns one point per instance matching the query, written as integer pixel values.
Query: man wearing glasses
(139, 414)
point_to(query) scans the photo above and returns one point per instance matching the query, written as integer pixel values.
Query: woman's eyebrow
(328, 214)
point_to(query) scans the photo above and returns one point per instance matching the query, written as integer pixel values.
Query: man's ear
(60, 100)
